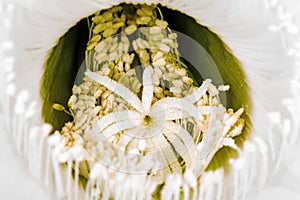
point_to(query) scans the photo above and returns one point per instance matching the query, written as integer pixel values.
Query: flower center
(147, 120)
(111, 103)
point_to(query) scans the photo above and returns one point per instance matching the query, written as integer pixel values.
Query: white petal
(172, 114)
(211, 140)
(169, 158)
(120, 126)
(176, 103)
(115, 117)
(148, 88)
(182, 141)
(118, 89)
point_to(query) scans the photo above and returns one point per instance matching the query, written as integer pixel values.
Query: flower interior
(126, 97)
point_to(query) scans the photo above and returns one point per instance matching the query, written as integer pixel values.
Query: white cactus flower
(174, 99)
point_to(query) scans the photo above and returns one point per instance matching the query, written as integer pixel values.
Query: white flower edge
(14, 172)
(245, 46)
